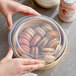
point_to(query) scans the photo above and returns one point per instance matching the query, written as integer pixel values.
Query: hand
(17, 66)
(9, 7)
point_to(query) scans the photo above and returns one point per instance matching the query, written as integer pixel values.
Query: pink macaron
(26, 49)
(35, 40)
(23, 41)
(52, 34)
(43, 42)
(35, 52)
(25, 35)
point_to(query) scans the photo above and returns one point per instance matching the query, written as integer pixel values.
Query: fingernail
(39, 14)
(10, 49)
(41, 65)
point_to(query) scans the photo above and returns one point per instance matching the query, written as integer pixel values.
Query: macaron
(30, 31)
(49, 58)
(40, 31)
(43, 42)
(47, 53)
(48, 49)
(53, 43)
(47, 27)
(25, 49)
(23, 41)
(35, 52)
(35, 40)
(52, 34)
(19, 51)
(25, 35)
(57, 52)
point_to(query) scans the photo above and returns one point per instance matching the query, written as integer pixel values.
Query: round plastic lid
(37, 38)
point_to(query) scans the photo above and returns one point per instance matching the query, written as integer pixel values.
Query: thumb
(9, 54)
(9, 20)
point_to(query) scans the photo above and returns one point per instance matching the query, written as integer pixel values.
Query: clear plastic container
(35, 37)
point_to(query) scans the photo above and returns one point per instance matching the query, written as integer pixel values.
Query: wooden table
(67, 65)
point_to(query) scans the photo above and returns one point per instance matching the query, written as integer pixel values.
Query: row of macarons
(29, 37)
(46, 59)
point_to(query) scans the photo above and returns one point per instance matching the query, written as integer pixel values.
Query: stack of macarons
(39, 42)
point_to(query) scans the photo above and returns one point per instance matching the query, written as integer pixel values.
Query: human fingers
(27, 61)
(24, 9)
(32, 67)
